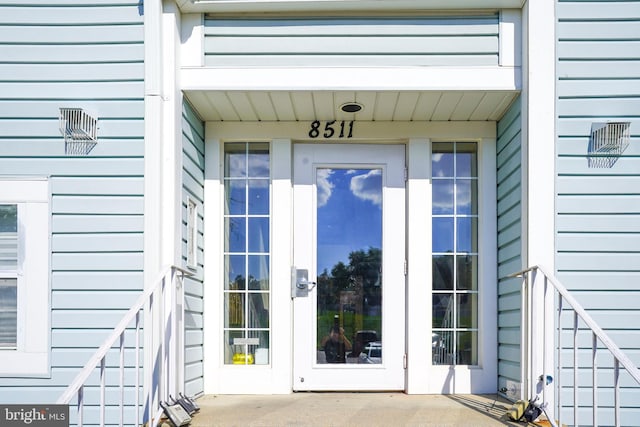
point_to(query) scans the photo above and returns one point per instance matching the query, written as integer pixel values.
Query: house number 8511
(331, 129)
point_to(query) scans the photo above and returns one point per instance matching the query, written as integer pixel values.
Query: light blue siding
(86, 54)
(598, 209)
(379, 41)
(193, 188)
(509, 173)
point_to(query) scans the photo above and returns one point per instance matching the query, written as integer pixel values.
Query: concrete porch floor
(352, 409)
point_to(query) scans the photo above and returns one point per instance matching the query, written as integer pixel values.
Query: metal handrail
(620, 359)
(76, 388)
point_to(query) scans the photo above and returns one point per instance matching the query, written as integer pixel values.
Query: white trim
(281, 260)
(353, 78)
(31, 358)
(419, 270)
(539, 135)
(213, 243)
(510, 38)
(192, 233)
(221, 6)
(363, 131)
(192, 40)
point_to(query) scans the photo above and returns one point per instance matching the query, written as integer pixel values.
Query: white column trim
(212, 295)
(419, 308)
(539, 136)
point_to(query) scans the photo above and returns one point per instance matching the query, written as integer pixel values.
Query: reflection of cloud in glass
(242, 183)
(435, 158)
(442, 197)
(368, 186)
(258, 165)
(324, 186)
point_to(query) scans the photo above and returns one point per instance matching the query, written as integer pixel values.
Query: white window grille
(607, 143)
(79, 130)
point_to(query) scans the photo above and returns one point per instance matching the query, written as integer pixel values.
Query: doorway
(349, 275)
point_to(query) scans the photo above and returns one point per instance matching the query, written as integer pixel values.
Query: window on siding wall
(24, 278)
(247, 289)
(455, 253)
(192, 233)
(8, 275)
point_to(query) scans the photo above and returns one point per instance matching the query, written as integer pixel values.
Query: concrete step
(352, 409)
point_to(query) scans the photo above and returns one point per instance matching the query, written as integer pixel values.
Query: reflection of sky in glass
(453, 197)
(349, 213)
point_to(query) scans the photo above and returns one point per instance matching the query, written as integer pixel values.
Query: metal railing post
(580, 316)
(159, 320)
(559, 368)
(575, 369)
(121, 404)
(594, 367)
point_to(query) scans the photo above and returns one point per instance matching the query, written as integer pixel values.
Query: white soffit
(387, 94)
(235, 6)
(402, 106)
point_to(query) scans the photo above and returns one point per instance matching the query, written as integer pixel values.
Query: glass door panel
(349, 263)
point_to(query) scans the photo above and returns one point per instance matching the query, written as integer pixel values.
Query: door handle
(305, 284)
(300, 284)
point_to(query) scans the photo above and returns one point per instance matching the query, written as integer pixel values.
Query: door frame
(309, 375)
(277, 377)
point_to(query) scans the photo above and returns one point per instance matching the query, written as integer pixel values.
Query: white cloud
(324, 186)
(368, 186)
(435, 158)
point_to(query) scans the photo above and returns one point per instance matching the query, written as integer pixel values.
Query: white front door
(349, 274)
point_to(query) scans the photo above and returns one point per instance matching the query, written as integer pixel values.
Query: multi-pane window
(192, 233)
(8, 275)
(455, 253)
(25, 311)
(246, 253)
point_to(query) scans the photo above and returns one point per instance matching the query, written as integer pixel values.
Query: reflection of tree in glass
(239, 282)
(256, 305)
(364, 266)
(353, 291)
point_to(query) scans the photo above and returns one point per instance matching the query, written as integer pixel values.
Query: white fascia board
(235, 6)
(379, 79)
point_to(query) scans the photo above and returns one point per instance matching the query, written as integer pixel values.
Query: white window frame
(192, 234)
(31, 356)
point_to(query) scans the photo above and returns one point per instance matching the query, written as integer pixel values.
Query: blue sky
(349, 213)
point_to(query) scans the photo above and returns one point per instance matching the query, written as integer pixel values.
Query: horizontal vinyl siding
(193, 188)
(598, 209)
(86, 54)
(428, 40)
(509, 164)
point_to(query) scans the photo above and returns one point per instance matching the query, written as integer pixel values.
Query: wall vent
(607, 143)
(79, 130)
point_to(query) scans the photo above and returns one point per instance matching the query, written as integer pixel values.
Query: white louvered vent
(79, 130)
(607, 143)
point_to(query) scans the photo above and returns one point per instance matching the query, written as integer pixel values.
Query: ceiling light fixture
(351, 107)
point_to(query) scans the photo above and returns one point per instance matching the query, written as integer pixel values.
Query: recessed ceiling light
(351, 107)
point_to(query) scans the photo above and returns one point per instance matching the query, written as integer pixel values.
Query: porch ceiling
(299, 105)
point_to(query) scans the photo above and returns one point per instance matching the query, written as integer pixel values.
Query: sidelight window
(247, 288)
(455, 253)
